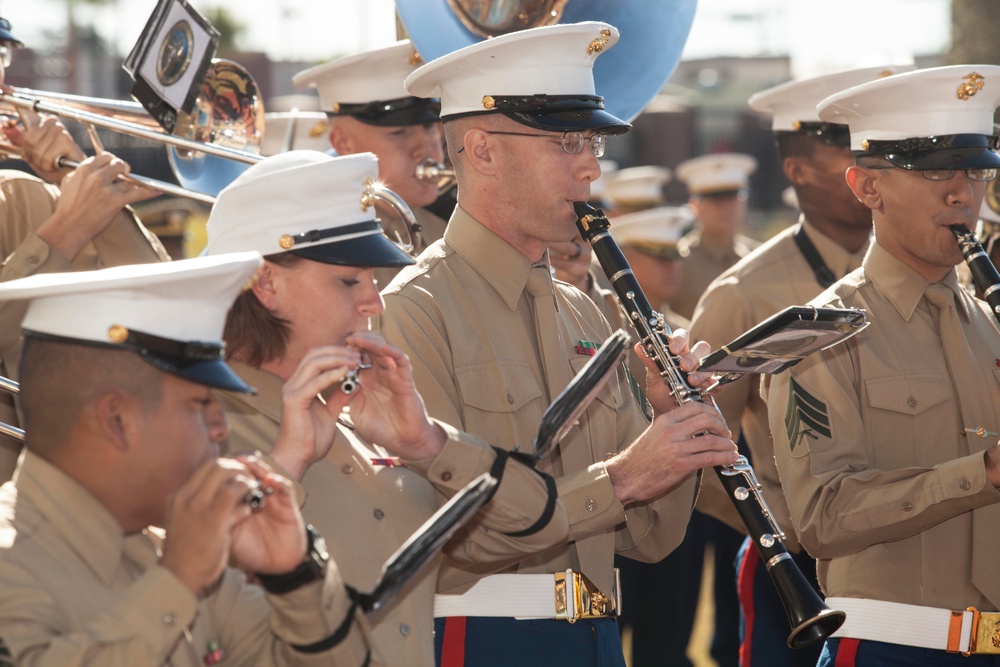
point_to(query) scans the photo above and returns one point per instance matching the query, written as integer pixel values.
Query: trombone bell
(229, 113)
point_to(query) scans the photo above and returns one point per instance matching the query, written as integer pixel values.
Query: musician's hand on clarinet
(674, 446)
(657, 392)
(42, 141)
(91, 198)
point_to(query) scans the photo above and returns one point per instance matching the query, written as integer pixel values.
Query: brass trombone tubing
(10, 150)
(129, 128)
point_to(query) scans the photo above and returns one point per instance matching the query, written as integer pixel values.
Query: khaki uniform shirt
(702, 264)
(771, 278)
(25, 203)
(431, 229)
(883, 484)
(462, 315)
(75, 590)
(368, 509)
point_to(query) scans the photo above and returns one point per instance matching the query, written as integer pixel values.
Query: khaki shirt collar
(499, 263)
(74, 514)
(267, 400)
(836, 257)
(903, 286)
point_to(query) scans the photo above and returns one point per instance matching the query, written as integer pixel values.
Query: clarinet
(985, 275)
(810, 619)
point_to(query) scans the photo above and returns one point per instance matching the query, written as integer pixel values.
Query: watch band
(313, 568)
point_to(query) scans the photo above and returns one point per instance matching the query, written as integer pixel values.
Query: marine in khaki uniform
(370, 111)
(42, 230)
(117, 373)
(493, 339)
(717, 186)
(648, 240)
(886, 445)
(351, 464)
(828, 242)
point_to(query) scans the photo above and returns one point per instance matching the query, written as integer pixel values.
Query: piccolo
(984, 273)
(256, 496)
(810, 619)
(352, 380)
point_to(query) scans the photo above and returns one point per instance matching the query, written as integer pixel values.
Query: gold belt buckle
(985, 639)
(577, 597)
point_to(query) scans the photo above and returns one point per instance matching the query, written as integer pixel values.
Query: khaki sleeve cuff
(294, 618)
(590, 501)
(33, 256)
(159, 607)
(463, 458)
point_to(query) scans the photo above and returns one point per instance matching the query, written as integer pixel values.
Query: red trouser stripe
(847, 652)
(453, 644)
(748, 570)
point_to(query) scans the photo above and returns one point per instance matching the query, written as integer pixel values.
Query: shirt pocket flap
(908, 395)
(497, 386)
(610, 394)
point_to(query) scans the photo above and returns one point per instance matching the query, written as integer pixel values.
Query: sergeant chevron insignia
(806, 416)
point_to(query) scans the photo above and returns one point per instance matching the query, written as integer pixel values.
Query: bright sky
(820, 35)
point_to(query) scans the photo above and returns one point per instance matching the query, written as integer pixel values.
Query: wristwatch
(311, 569)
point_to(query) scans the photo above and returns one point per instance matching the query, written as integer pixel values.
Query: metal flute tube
(984, 273)
(810, 619)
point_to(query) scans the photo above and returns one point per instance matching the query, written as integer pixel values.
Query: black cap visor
(831, 134)
(6, 36)
(214, 373)
(374, 250)
(953, 151)
(556, 113)
(723, 193)
(371, 248)
(194, 361)
(393, 113)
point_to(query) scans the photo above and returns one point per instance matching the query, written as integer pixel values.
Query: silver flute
(352, 380)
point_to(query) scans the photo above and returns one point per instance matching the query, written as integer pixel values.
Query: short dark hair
(253, 334)
(59, 378)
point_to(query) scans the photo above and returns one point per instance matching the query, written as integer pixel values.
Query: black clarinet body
(984, 273)
(809, 617)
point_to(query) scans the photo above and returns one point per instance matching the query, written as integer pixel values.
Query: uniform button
(510, 399)
(964, 485)
(446, 476)
(912, 401)
(379, 514)
(907, 507)
(404, 630)
(347, 468)
(32, 259)
(170, 619)
(591, 504)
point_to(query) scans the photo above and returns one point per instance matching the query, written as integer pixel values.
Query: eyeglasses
(982, 175)
(6, 55)
(571, 142)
